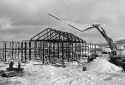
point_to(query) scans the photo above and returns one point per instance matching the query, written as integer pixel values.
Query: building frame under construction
(49, 46)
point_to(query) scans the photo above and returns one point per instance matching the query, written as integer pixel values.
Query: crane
(117, 57)
(111, 43)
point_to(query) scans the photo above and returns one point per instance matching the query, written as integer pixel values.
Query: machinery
(111, 43)
(116, 56)
(11, 72)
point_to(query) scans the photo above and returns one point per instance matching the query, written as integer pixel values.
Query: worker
(11, 66)
(19, 66)
(123, 65)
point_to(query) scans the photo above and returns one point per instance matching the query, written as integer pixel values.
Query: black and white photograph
(62, 42)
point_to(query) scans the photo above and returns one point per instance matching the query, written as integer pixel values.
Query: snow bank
(102, 65)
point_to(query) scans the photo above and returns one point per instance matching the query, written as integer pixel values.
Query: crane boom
(111, 43)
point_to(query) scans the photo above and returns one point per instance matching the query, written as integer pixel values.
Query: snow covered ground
(99, 72)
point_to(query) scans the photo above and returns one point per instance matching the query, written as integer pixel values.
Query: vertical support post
(22, 51)
(43, 52)
(18, 49)
(68, 51)
(54, 50)
(82, 49)
(85, 50)
(88, 52)
(72, 52)
(15, 46)
(30, 50)
(65, 51)
(3, 49)
(15, 50)
(62, 53)
(25, 51)
(5, 52)
(12, 49)
(90, 48)
(79, 50)
(49, 51)
(75, 51)
(35, 49)
(58, 50)
(95, 48)
(40, 50)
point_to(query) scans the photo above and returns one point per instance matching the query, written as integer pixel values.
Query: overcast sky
(22, 19)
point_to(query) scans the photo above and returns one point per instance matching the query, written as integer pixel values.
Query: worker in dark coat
(19, 66)
(123, 65)
(11, 66)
